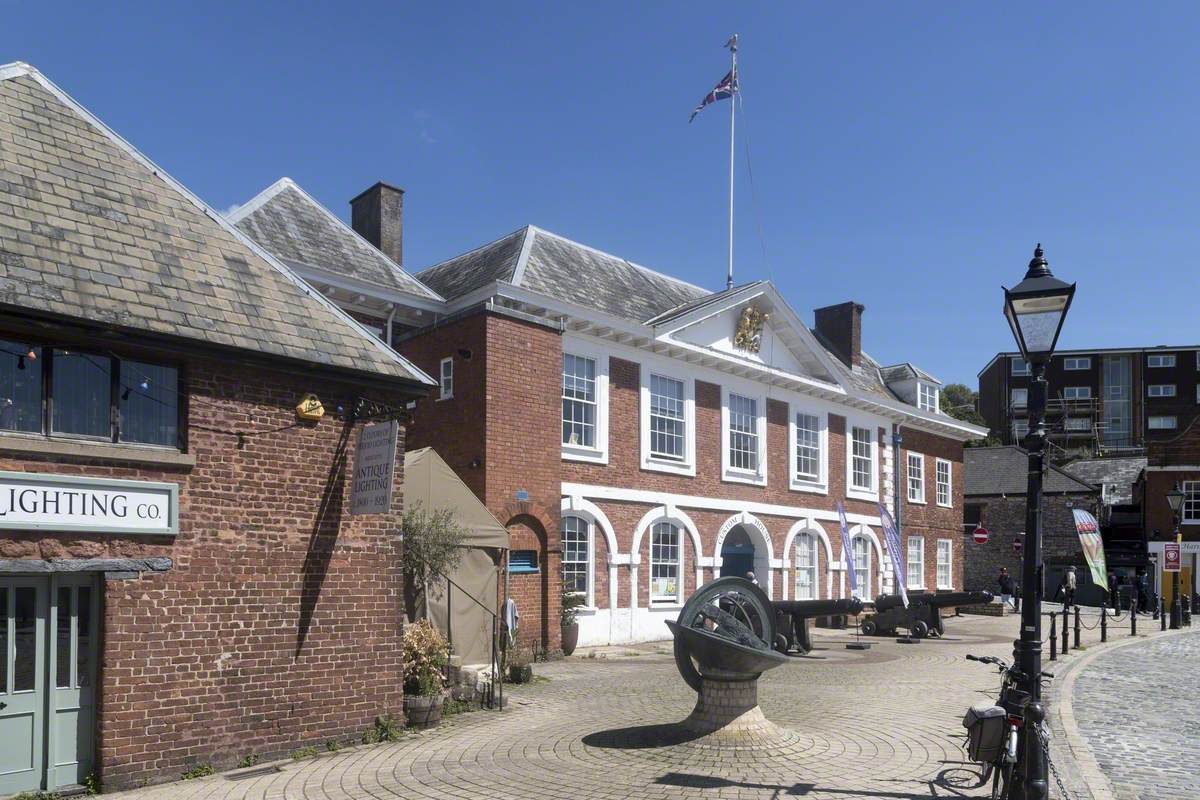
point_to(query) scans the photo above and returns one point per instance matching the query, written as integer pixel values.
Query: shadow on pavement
(950, 782)
(641, 737)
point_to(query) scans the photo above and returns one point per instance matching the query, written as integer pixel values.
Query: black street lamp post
(1175, 499)
(1035, 308)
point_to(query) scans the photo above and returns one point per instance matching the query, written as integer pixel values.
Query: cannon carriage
(922, 617)
(792, 618)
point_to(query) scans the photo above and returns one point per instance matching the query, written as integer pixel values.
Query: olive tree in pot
(425, 658)
(571, 601)
(430, 551)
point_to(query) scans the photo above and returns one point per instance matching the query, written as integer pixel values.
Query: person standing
(1070, 583)
(1112, 590)
(1005, 582)
(1143, 589)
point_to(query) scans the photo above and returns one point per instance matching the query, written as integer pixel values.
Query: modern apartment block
(1107, 401)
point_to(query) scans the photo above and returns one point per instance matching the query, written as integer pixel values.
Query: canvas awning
(465, 609)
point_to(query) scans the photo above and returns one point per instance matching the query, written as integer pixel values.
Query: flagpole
(732, 117)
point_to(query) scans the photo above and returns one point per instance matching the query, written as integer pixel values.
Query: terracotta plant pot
(423, 712)
(570, 638)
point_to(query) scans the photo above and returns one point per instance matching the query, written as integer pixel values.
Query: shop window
(522, 562)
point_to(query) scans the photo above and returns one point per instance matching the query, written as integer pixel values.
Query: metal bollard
(1187, 610)
(1155, 603)
(1066, 633)
(1053, 637)
(1077, 627)
(1162, 614)
(1133, 616)
(1103, 624)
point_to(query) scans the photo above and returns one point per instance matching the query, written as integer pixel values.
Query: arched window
(806, 567)
(666, 557)
(576, 554)
(862, 566)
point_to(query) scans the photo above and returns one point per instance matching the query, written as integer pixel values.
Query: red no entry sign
(1019, 541)
(1171, 557)
(980, 534)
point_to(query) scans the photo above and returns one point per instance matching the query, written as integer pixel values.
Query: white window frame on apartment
(914, 473)
(1077, 393)
(588, 530)
(598, 453)
(677, 598)
(1021, 393)
(945, 499)
(446, 378)
(1158, 360)
(918, 562)
(818, 483)
(1190, 512)
(1013, 361)
(946, 547)
(853, 491)
(1162, 422)
(1023, 423)
(729, 473)
(806, 545)
(1074, 363)
(1160, 390)
(1076, 424)
(934, 401)
(661, 463)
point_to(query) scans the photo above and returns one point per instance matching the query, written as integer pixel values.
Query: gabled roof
(301, 232)
(1005, 470)
(545, 262)
(703, 301)
(91, 230)
(904, 371)
(1117, 473)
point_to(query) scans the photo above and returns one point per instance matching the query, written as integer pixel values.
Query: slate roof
(91, 230)
(1005, 470)
(904, 371)
(550, 264)
(699, 302)
(1118, 474)
(295, 228)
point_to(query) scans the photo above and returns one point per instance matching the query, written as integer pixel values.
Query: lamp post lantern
(1035, 309)
(1175, 499)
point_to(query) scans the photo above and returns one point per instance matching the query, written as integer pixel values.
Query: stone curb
(1078, 751)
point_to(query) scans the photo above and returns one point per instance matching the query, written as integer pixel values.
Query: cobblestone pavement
(1135, 710)
(884, 723)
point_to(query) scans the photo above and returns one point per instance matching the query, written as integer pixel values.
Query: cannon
(922, 617)
(792, 618)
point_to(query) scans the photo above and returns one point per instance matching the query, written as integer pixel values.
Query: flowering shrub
(425, 656)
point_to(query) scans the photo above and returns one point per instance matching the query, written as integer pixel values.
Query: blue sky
(907, 156)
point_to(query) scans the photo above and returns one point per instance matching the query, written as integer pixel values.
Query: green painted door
(23, 607)
(72, 676)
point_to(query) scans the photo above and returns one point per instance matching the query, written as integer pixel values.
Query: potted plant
(425, 656)
(571, 601)
(520, 665)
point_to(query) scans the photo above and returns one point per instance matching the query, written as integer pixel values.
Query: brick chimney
(377, 215)
(840, 327)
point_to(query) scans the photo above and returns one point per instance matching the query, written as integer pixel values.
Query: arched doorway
(529, 580)
(744, 551)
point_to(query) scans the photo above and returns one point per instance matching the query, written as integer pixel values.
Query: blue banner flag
(847, 550)
(892, 536)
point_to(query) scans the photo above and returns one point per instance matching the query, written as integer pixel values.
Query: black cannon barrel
(886, 602)
(818, 608)
(943, 599)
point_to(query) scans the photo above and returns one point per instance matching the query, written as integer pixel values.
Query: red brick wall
(278, 623)
(930, 520)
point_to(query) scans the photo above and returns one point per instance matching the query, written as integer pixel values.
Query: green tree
(962, 402)
(430, 550)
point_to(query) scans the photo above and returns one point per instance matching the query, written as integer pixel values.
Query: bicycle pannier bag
(985, 724)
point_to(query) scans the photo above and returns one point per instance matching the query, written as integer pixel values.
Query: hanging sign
(1092, 544)
(980, 534)
(374, 469)
(1171, 559)
(1019, 542)
(34, 501)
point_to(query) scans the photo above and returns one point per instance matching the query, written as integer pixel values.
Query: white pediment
(717, 333)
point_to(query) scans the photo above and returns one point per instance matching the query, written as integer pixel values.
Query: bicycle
(995, 732)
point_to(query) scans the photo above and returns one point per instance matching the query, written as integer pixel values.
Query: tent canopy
(465, 609)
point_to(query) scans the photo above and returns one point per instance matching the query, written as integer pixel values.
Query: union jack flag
(722, 91)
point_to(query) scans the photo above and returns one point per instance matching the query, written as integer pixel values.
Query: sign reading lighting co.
(32, 501)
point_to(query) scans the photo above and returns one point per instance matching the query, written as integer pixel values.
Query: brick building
(640, 435)
(180, 580)
(1171, 462)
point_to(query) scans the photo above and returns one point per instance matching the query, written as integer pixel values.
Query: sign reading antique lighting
(748, 336)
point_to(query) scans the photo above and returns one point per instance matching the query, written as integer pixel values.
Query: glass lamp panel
(1039, 329)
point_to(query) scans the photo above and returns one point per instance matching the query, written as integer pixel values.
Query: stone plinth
(727, 712)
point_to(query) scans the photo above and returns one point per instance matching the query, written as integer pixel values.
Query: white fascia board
(19, 69)
(317, 275)
(261, 199)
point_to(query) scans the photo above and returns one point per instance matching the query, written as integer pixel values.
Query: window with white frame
(942, 468)
(1020, 428)
(1160, 360)
(668, 424)
(1191, 501)
(447, 379)
(579, 401)
(665, 553)
(1161, 390)
(945, 563)
(808, 446)
(916, 478)
(1020, 398)
(1162, 423)
(862, 459)
(916, 562)
(743, 433)
(1077, 393)
(862, 565)
(927, 397)
(576, 550)
(1077, 363)
(1077, 424)
(805, 560)
(1019, 366)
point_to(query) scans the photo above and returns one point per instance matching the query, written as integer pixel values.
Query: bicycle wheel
(1001, 781)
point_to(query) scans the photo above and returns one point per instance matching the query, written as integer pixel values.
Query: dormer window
(927, 397)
